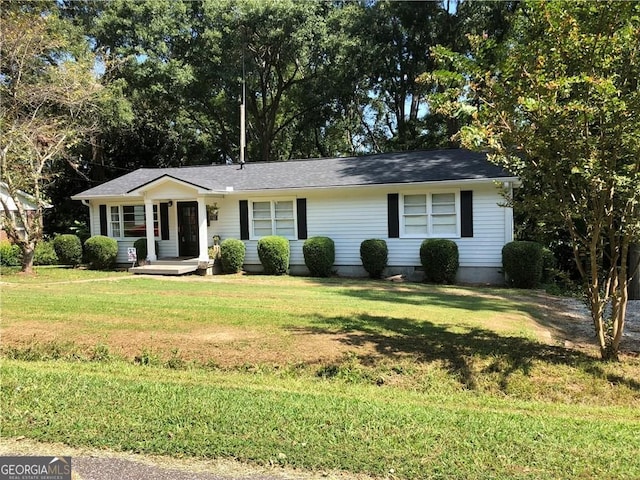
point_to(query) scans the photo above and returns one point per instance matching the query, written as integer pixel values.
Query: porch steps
(167, 267)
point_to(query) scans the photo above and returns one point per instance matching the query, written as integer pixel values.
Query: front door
(188, 245)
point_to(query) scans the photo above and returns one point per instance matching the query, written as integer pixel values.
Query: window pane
(415, 204)
(444, 224)
(261, 210)
(443, 203)
(286, 228)
(115, 221)
(133, 221)
(284, 209)
(262, 228)
(415, 224)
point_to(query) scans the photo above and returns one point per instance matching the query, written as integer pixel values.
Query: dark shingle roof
(386, 168)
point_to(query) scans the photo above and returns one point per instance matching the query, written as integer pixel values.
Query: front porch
(174, 266)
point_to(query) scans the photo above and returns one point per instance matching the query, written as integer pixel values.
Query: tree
(49, 94)
(562, 111)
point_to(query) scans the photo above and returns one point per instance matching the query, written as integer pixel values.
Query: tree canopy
(562, 111)
(50, 99)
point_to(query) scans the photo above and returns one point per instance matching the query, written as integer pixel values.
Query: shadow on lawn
(426, 342)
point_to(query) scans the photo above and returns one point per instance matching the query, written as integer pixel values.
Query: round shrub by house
(319, 255)
(101, 252)
(232, 253)
(274, 253)
(440, 260)
(141, 248)
(522, 262)
(45, 254)
(10, 254)
(374, 255)
(68, 249)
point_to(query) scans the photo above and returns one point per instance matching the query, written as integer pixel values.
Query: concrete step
(163, 269)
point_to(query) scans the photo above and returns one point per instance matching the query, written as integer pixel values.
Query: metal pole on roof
(243, 140)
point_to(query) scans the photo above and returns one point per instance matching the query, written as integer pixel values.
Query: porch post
(151, 239)
(202, 231)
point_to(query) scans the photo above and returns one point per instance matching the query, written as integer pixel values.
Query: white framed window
(273, 217)
(130, 221)
(435, 214)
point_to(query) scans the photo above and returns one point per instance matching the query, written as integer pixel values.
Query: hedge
(440, 260)
(374, 255)
(522, 263)
(319, 255)
(68, 248)
(101, 252)
(232, 253)
(274, 253)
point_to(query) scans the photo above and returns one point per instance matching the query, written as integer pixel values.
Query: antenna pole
(242, 116)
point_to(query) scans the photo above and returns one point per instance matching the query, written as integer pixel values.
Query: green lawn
(391, 380)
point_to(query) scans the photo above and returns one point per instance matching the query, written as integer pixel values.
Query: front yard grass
(392, 380)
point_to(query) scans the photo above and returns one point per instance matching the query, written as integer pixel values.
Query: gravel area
(577, 329)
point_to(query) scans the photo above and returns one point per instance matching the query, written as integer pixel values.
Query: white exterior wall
(167, 248)
(348, 216)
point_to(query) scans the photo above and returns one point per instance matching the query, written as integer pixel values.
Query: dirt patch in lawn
(219, 345)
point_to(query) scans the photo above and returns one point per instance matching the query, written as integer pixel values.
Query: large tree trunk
(634, 283)
(28, 252)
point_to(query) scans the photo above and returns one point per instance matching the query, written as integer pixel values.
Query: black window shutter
(164, 221)
(302, 218)
(466, 213)
(103, 220)
(393, 218)
(244, 219)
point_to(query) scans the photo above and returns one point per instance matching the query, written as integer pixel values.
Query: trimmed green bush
(101, 252)
(274, 253)
(69, 249)
(141, 248)
(374, 255)
(319, 255)
(440, 260)
(522, 262)
(45, 254)
(232, 253)
(10, 254)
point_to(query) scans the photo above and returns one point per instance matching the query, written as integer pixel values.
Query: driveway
(94, 464)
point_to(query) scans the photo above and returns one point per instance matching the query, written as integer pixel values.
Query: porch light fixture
(212, 211)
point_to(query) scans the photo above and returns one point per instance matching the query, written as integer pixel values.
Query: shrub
(274, 253)
(232, 252)
(549, 266)
(319, 255)
(141, 248)
(101, 252)
(374, 254)
(440, 260)
(69, 249)
(522, 262)
(45, 254)
(10, 254)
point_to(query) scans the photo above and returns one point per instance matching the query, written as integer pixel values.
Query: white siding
(349, 216)
(167, 248)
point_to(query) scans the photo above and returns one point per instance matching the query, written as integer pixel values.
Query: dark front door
(188, 229)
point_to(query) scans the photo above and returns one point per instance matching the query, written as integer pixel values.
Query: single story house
(402, 198)
(28, 202)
